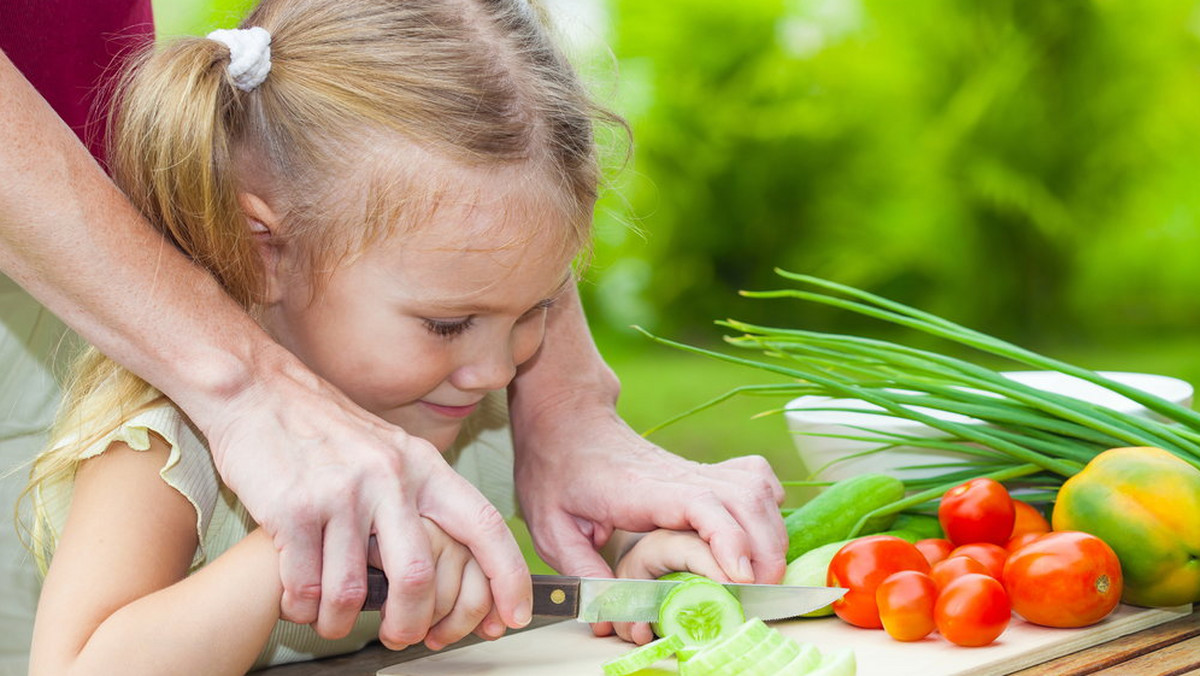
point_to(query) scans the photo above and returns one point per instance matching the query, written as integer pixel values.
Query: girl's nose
(491, 368)
(495, 365)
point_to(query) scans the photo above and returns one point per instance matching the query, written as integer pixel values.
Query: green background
(1029, 169)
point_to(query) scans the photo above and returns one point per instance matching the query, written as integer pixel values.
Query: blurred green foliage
(1027, 168)
(197, 17)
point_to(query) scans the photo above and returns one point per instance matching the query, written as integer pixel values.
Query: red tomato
(1020, 541)
(906, 601)
(972, 610)
(934, 549)
(860, 566)
(979, 510)
(1064, 579)
(1027, 519)
(991, 556)
(956, 566)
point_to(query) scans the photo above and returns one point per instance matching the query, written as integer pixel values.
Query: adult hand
(582, 472)
(578, 483)
(321, 475)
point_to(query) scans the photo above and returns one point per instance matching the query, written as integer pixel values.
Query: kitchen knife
(590, 599)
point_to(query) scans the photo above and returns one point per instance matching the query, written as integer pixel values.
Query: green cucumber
(922, 526)
(835, 511)
(698, 610)
(643, 656)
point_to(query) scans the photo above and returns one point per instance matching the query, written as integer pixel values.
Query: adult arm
(582, 472)
(315, 470)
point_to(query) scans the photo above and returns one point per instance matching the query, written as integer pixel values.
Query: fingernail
(494, 629)
(744, 570)
(522, 616)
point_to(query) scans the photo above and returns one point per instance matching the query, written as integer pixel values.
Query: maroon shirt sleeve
(71, 50)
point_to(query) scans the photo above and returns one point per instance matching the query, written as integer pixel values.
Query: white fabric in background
(33, 344)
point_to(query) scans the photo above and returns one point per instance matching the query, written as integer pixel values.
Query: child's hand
(660, 552)
(462, 597)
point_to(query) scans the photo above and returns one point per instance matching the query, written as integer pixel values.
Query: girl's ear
(265, 229)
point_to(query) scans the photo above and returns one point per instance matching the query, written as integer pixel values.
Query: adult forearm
(566, 379)
(70, 238)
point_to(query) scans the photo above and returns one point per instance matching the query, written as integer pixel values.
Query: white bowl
(807, 421)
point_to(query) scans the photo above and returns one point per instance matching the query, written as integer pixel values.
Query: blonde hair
(476, 83)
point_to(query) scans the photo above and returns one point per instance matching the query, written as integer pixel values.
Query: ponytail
(171, 138)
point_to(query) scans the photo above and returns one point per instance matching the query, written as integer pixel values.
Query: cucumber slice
(643, 656)
(807, 659)
(784, 655)
(699, 611)
(746, 662)
(837, 663)
(714, 656)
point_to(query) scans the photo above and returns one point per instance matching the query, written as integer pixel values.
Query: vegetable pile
(1031, 439)
(966, 581)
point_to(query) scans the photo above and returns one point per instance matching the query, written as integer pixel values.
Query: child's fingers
(665, 551)
(474, 602)
(450, 559)
(634, 632)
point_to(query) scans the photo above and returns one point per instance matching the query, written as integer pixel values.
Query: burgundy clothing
(71, 50)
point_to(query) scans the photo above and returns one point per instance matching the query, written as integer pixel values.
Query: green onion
(1030, 436)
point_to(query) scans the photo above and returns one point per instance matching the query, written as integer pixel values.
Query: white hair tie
(249, 54)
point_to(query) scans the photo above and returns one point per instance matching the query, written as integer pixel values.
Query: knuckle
(349, 595)
(415, 574)
(489, 519)
(305, 593)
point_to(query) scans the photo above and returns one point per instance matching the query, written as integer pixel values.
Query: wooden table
(1165, 650)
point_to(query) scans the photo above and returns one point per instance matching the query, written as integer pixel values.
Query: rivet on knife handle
(555, 596)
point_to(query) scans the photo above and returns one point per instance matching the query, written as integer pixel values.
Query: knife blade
(589, 599)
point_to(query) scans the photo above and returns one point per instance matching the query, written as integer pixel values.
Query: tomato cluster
(998, 557)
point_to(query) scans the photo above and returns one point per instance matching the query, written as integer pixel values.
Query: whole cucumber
(832, 514)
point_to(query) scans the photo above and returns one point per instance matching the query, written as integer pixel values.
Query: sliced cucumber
(643, 656)
(699, 611)
(784, 653)
(805, 661)
(837, 663)
(712, 658)
(745, 662)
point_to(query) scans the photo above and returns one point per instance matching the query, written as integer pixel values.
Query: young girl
(397, 190)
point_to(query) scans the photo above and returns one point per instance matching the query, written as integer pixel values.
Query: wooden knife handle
(377, 588)
(553, 595)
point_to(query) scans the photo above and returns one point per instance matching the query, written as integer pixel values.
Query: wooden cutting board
(570, 649)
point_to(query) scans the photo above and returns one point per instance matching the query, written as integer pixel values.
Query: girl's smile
(452, 411)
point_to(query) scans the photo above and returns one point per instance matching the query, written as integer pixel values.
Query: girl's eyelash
(451, 328)
(448, 329)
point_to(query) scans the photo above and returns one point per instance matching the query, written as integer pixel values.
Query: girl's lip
(452, 411)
